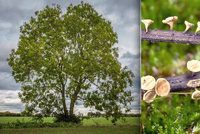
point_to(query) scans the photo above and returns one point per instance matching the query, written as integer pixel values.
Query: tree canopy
(70, 56)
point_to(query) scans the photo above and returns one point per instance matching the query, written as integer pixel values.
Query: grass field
(75, 130)
(90, 126)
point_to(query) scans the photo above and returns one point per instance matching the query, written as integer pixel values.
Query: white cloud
(4, 25)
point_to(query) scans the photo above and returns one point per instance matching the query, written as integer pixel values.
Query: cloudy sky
(123, 14)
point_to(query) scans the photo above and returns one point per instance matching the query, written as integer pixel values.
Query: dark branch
(179, 83)
(171, 36)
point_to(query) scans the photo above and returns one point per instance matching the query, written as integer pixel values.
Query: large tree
(70, 56)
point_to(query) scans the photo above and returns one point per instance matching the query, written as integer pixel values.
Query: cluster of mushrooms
(171, 21)
(161, 87)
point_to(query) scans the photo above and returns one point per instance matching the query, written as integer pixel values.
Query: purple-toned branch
(171, 37)
(179, 83)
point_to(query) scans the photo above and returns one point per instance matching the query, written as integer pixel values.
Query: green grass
(75, 130)
(86, 122)
(24, 119)
(90, 126)
(104, 122)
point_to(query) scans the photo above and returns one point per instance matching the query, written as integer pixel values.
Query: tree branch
(171, 36)
(179, 83)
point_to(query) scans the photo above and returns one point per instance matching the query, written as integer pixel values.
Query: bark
(171, 37)
(73, 101)
(179, 83)
(74, 97)
(64, 101)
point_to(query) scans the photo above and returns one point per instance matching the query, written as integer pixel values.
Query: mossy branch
(171, 37)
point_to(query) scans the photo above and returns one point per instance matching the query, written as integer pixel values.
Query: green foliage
(70, 118)
(64, 56)
(179, 114)
(171, 115)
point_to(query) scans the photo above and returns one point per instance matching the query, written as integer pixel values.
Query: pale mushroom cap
(194, 83)
(193, 65)
(170, 19)
(196, 95)
(148, 82)
(198, 27)
(149, 96)
(198, 23)
(188, 24)
(147, 21)
(162, 87)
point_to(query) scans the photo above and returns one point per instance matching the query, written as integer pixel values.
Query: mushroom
(196, 95)
(149, 96)
(188, 25)
(147, 23)
(148, 82)
(170, 21)
(162, 87)
(194, 83)
(193, 65)
(198, 27)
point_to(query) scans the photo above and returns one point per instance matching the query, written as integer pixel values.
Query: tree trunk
(64, 101)
(75, 96)
(71, 110)
(73, 100)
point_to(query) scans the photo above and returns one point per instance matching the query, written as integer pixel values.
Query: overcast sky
(123, 14)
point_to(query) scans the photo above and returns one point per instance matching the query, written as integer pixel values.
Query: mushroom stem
(188, 25)
(147, 23)
(198, 27)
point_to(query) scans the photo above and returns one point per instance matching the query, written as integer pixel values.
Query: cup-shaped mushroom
(170, 21)
(162, 87)
(148, 82)
(188, 25)
(194, 83)
(147, 23)
(193, 65)
(149, 96)
(196, 95)
(198, 27)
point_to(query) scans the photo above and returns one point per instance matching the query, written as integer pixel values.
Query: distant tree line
(7, 113)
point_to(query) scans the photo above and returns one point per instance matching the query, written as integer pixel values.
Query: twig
(171, 36)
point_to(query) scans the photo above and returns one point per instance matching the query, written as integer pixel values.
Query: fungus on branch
(193, 65)
(148, 82)
(162, 87)
(188, 25)
(198, 27)
(196, 94)
(170, 21)
(194, 83)
(149, 96)
(147, 23)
